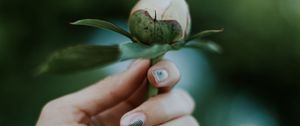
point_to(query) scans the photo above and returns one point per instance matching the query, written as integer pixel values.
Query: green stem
(152, 91)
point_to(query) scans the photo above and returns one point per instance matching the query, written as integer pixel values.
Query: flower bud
(160, 21)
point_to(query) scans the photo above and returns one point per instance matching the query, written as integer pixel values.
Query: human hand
(119, 100)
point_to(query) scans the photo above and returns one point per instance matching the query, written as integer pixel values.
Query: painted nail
(135, 119)
(137, 123)
(160, 75)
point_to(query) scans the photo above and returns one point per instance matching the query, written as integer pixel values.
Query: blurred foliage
(255, 76)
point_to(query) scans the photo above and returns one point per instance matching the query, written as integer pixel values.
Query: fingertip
(164, 74)
(139, 62)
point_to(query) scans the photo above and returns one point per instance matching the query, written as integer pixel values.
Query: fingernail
(135, 119)
(160, 75)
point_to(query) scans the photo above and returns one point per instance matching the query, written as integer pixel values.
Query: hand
(119, 100)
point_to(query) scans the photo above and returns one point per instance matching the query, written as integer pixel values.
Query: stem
(152, 91)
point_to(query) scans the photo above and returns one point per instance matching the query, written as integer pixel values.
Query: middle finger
(160, 109)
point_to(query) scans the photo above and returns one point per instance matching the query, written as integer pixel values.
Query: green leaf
(83, 57)
(103, 25)
(79, 58)
(178, 45)
(204, 34)
(136, 50)
(206, 45)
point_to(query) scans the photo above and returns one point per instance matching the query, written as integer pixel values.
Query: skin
(107, 102)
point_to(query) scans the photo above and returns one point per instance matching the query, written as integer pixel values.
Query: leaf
(136, 50)
(83, 57)
(209, 45)
(178, 45)
(78, 58)
(204, 34)
(103, 25)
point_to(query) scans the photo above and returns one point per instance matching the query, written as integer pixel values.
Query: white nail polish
(135, 119)
(160, 75)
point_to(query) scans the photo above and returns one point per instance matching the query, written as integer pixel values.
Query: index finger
(111, 90)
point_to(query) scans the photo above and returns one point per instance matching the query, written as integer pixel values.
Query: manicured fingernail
(160, 75)
(137, 123)
(135, 119)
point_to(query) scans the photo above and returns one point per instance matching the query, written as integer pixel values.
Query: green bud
(160, 21)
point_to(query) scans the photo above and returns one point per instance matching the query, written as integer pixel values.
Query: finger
(160, 109)
(182, 121)
(164, 75)
(111, 90)
(109, 117)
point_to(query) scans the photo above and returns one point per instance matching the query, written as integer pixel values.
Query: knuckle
(56, 104)
(117, 96)
(48, 107)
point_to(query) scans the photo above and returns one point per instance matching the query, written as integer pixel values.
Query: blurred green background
(254, 82)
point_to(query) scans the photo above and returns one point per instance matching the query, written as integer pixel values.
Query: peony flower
(156, 27)
(160, 21)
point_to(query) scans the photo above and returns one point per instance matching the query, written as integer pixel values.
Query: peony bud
(160, 21)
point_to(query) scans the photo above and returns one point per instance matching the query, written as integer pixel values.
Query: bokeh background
(254, 82)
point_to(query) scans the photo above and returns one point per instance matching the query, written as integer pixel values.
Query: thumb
(111, 90)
